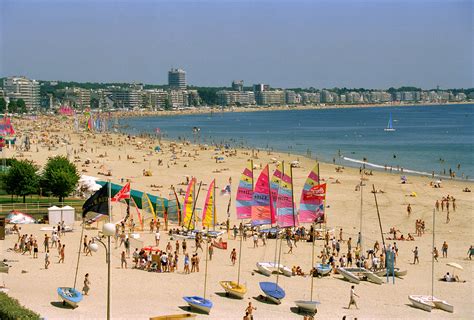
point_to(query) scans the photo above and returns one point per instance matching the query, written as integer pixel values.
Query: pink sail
(262, 200)
(284, 205)
(311, 208)
(275, 184)
(244, 198)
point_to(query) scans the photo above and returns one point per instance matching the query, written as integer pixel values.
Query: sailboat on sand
(426, 302)
(244, 211)
(312, 211)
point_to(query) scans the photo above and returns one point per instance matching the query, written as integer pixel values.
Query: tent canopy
(159, 204)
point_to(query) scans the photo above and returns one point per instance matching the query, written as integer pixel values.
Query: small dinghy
(323, 269)
(69, 296)
(199, 303)
(307, 305)
(267, 268)
(273, 291)
(234, 289)
(398, 273)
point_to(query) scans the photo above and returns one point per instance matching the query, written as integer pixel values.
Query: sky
(321, 44)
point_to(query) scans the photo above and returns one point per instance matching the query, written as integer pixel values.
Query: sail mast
(277, 233)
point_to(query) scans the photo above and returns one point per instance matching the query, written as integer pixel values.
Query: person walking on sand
(409, 209)
(233, 256)
(61, 254)
(46, 242)
(157, 238)
(255, 240)
(444, 249)
(123, 260)
(415, 256)
(87, 283)
(249, 310)
(435, 254)
(184, 245)
(437, 205)
(211, 251)
(46, 260)
(353, 300)
(84, 250)
(470, 252)
(448, 219)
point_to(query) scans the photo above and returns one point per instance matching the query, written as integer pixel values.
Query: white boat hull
(273, 299)
(267, 268)
(428, 303)
(349, 276)
(307, 305)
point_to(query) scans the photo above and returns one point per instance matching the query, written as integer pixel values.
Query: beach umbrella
(454, 265)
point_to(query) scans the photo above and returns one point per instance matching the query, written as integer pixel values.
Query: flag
(124, 193)
(318, 192)
(98, 202)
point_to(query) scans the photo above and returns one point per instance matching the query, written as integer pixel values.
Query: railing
(38, 209)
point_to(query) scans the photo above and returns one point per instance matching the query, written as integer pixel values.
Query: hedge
(11, 309)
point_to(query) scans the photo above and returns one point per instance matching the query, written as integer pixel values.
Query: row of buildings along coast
(177, 95)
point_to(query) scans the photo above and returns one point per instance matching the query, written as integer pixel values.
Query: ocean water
(427, 138)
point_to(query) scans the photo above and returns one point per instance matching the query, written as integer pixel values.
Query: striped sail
(147, 207)
(188, 220)
(209, 214)
(284, 204)
(245, 194)
(275, 184)
(311, 208)
(262, 202)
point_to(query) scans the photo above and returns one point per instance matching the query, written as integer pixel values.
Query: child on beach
(85, 289)
(233, 256)
(46, 260)
(123, 260)
(61, 254)
(186, 264)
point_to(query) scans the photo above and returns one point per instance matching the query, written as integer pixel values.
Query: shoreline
(210, 110)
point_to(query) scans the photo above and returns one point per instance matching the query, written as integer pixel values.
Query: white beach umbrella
(454, 265)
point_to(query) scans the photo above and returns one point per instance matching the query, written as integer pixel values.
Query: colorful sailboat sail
(311, 208)
(262, 209)
(147, 207)
(275, 185)
(209, 213)
(188, 220)
(245, 194)
(138, 212)
(284, 205)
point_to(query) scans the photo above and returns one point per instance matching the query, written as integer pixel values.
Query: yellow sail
(147, 208)
(188, 220)
(209, 213)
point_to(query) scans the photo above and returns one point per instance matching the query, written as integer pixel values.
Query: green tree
(3, 105)
(12, 106)
(21, 179)
(60, 177)
(167, 105)
(21, 106)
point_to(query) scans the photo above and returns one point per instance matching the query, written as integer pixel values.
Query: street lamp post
(108, 230)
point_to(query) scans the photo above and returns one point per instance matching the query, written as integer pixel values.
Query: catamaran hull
(349, 276)
(421, 302)
(233, 289)
(310, 306)
(267, 268)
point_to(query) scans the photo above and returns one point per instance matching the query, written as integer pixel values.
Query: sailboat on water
(312, 211)
(390, 124)
(244, 211)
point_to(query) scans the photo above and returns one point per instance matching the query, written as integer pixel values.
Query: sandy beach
(139, 294)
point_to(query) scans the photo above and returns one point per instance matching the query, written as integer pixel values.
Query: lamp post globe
(94, 247)
(108, 229)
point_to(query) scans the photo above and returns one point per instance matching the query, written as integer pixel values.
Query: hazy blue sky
(369, 43)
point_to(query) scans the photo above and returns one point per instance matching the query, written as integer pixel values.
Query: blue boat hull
(70, 296)
(199, 303)
(272, 291)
